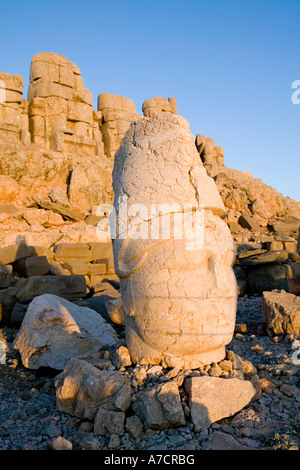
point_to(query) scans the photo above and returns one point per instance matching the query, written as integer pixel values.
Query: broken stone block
(290, 227)
(68, 287)
(115, 310)
(65, 212)
(55, 330)
(64, 251)
(57, 270)
(97, 268)
(247, 221)
(274, 246)
(5, 276)
(18, 313)
(159, 407)
(121, 358)
(214, 398)
(82, 389)
(294, 285)
(267, 257)
(42, 217)
(291, 247)
(92, 219)
(109, 422)
(134, 426)
(35, 266)
(77, 267)
(268, 277)
(103, 252)
(281, 311)
(9, 254)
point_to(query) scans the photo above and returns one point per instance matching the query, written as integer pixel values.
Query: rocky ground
(29, 419)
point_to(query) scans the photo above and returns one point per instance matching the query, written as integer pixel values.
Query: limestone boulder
(55, 330)
(82, 390)
(214, 398)
(281, 311)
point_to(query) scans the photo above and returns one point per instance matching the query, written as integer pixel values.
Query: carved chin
(204, 328)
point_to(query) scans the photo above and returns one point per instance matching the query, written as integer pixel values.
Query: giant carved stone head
(173, 252)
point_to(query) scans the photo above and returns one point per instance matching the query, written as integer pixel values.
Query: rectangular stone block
(39, 69)
(81, 112)
(77, 267)
(97, 268)
(10, 116)
(248, 222)
(12, 82)
(66, 76)
(56, 269)
(78, 82)
(290, 227)
(274, 246)
(35, 266)
(84, 96)
(12, 96)
(37, 126)
(12, 253)
(44, 88)
(37, 106)
(103, 252)
(107, 100)
(95, 279)
(67, 251)
(69, 287)
(291, 247)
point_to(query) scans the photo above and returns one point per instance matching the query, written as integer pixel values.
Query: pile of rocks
(72, 271)
(267, 262)
(154, 408)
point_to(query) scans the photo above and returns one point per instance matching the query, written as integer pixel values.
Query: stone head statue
(172, 250)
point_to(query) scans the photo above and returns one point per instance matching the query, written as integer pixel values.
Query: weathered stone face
(179, 292)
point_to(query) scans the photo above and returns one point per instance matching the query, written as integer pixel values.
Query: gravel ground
(29, 419)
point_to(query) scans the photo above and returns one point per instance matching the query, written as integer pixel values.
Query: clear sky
(230, 65)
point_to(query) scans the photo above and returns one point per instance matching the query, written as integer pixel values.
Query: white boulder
(55, 330)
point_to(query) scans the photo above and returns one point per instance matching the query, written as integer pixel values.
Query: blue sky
(230, 65)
